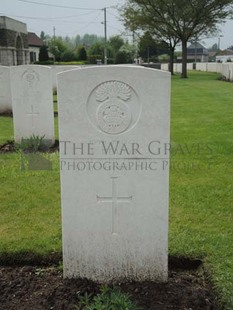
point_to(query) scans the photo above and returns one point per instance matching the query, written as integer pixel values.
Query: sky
(72, 17)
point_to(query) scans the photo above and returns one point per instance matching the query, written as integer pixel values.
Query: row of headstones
(226, 69)
(5, 95)
(113, 125)
(28, 92)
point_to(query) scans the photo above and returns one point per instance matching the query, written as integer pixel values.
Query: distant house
(34, 43)
(197, 53)
(224, 56)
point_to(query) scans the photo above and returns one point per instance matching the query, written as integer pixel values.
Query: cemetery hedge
(201, 186)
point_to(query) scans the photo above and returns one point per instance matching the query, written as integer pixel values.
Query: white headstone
(5, 90)
(114, 135)
(32, 101)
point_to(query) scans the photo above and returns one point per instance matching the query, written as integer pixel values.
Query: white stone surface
(114, 130)
(32, 102)
(59, 69)
(201, 66)
(190, 66)
(165, 67)
(5, 90)
(178, 67)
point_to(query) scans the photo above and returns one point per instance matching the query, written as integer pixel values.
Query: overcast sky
(85, 16)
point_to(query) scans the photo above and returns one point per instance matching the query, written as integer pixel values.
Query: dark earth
(10, 147)
(43, 287)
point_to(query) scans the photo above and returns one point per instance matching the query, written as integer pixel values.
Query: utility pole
(105, 37)
(219, 38)
(54, 32)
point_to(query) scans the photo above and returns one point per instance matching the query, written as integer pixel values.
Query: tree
(77, 40)
(116, 42)
(68, 55)
(150, 48)
(214, 47)
(127, 52)
(42, 36)
(43, 54)
(176, 20)
(82, 53)
(57, 47)
(121, 57)
(90, 39)
(96, 51)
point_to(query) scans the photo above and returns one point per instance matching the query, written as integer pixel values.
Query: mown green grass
(201, 185)
(6, 129)
(201, 209)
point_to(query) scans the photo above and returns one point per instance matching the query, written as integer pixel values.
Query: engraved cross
(114, 199)
(32, 114)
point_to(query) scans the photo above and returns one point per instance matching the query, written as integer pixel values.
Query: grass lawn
(201, 185)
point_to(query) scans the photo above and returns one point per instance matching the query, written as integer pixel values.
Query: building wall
(35, 51)
(12, 24)
(13, 42)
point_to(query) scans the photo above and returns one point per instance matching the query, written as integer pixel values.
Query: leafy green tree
(68, 55)
(149, 48)
(176, 20)
(57, 47)
(116, 42)
(96, 51)
(121, 57)
(126, 54)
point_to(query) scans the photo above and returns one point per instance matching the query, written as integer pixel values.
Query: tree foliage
(149, 48)
(82, 53)
(43, 54)
(176, 20)
(116, 42)
(57, 47)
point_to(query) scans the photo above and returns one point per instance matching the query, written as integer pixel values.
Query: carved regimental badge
(113, 107)
(113, 114)
(30, 78)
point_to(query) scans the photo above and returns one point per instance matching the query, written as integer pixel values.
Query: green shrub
(46, 63)
(33, 144)
(68, 56)
(108, 299)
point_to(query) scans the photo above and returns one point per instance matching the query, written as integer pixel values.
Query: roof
(197, 49)
(196, 45)
(225, 52)
(34, 40)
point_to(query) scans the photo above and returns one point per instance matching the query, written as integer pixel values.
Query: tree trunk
(171, 61)
(184, 59)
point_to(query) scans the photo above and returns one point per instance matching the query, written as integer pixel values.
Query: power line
(52, 20)
(91, 22)
(59, 6)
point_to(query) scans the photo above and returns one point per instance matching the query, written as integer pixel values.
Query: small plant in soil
(108, 299)
(33, 144)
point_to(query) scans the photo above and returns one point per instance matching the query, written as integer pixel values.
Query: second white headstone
(5, 90)
(32, 100)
